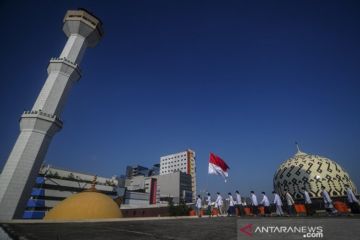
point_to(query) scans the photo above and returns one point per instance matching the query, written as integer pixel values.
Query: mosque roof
(89, 204)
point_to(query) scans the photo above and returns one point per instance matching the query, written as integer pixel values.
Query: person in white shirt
(278, 204)
(327, 201)
(219, 203)
(208, 200)
(353, 201)
(308, 203)
(266, 203)
(239, 204)
(231, 209)
(290, 203)
(254, 203)
(198, 206)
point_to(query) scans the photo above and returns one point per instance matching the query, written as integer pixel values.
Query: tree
(180, 210)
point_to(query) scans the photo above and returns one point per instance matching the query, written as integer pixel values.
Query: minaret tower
(38, 126)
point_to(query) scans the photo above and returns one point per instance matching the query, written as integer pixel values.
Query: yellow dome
(85, 205)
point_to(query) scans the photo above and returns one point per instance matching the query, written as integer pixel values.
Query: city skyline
(242, 80)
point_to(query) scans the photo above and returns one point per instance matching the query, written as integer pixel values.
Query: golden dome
(85, 205)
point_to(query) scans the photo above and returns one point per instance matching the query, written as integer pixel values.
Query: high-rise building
(180, 162)
(155, 170)
(38, 126)
(136, 170)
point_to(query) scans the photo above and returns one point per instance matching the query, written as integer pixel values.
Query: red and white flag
(218, 166)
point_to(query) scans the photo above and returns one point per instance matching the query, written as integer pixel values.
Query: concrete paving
(175, 228)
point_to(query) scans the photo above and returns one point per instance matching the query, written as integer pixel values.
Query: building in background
(121, 181)
(180, 162)
(136, 183)
(155, 170)
(136, 170)
(177, 186)
(173, 179)
(159, 189)
(54, 185)
(141, 192)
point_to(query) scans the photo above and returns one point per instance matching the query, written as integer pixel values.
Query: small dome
(85, 205)
(312, 172)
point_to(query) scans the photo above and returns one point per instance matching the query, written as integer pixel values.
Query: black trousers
(291, 210)
(309, 209)
(208, 210)
(231, 210)
(240, 209)
(355, 208)
(255, 210)
(267, 210)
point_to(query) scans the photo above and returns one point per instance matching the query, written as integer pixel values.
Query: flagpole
(207, 178)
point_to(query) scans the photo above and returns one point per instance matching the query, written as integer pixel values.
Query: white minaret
(38, 126)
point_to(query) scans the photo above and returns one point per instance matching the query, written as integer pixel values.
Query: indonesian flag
(218, 166)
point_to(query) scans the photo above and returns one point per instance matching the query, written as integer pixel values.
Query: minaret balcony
(37, 119)
(64, 66)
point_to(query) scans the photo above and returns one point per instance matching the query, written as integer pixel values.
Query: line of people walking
(236, 206)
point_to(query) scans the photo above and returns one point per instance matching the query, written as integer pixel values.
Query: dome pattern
(312, 172)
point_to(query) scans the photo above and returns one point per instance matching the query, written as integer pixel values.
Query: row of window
(173, 161)
(173, 170)
(175, 165)
(174, 157)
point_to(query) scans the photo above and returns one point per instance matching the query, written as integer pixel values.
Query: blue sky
(242, 79)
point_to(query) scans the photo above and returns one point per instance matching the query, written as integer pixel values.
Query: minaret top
(85, 24)
(299, 152)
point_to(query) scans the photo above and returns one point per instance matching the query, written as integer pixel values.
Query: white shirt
(231, 201)
(289, 199)
(219, 201)
(254, 199)
(326, 197)
(208, 200)
(265, 201)
(198, 203)
(277, 200)
(307, 197)
(351, 196)
(238, 199)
